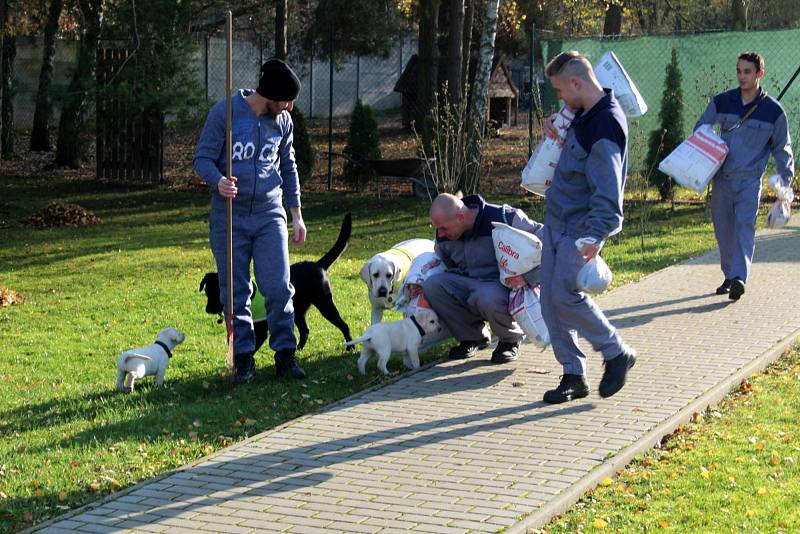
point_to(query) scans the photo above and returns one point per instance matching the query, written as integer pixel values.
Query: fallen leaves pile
(9, 297)
(61, 214)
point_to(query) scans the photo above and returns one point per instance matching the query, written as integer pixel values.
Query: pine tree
(303, 151)
(670, 134)
(362, 145)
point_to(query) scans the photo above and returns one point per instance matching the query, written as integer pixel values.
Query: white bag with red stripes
(538, 173)
(526, 309)
(695, 162)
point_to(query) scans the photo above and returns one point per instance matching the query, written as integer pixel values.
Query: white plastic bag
(695, 161)
(538, 172)
(595, 276)
(516, 251)
(526, 309)
(610, 73)
(423, 267)
(779, 214)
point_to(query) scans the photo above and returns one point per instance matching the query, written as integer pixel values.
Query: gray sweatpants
(568, 311)
(734, 208)
(464, 303)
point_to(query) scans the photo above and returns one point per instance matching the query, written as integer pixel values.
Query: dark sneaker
(506, 351)
(725, 288)
(737, 289)
(467, 349)
(285, 363)
(571, 387)
(245, 368)
(616, 369)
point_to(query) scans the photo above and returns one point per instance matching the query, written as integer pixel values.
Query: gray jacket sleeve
(604, 174)
(709, 116)
(210, 146)
(522, 222)
(782, 150)
(288, 165)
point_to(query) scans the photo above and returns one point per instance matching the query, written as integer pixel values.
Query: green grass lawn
(69, 437)
(735, 468)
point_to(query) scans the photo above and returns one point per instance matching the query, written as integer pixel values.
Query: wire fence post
(330, 100)
(207, 39)
(530, 92)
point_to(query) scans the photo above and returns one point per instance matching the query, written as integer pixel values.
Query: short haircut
(753, 57)
(570, 63)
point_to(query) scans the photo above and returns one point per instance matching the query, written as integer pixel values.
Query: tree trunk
(612, 25)
(480, 97)
(7, 112)
(454, 51)
(40, 135)
(281, 45)
(466, 53)
(428, 61)
(739, 15)
(2, 70)
(70, 148)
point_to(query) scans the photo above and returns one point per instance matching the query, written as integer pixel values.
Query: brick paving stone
(459, 439)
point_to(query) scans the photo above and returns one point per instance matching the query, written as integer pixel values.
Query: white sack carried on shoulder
(525, 308)
(594, 277)
(610, 73)
(423, 267)
(538, 172)
(695, 161)
(517, 252)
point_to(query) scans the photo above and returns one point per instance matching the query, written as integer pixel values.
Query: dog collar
(419, 328)
(165, 347)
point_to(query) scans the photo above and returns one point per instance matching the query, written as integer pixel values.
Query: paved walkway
(469, 446)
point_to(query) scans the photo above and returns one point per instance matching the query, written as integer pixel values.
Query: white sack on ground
(516, 251)
(695, 161)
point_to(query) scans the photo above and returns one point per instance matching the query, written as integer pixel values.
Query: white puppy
(384, 273)
(400, 336)
(153, 359)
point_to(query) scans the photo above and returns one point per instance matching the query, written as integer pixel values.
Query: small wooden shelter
(503, 93)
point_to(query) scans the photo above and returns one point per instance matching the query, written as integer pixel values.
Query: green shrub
(670, 133)
(304, 153)
(362, 145)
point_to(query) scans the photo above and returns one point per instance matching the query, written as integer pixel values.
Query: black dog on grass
(311, 287)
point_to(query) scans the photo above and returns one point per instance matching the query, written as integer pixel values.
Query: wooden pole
(229, 173)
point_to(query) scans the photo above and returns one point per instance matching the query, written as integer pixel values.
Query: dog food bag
(423, 267)
(538, 172)
(695, 161)
(526, 309)
(611, 74)
(517, 252)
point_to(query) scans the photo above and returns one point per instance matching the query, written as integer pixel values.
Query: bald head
(450, 217)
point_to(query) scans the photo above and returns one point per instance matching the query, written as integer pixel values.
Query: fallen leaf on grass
(607, 481)
(663, 524)
(599, 523)
(704, 473)
(762, 491)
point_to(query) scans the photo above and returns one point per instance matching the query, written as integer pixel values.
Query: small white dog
(153, 359)
(400, 336)
(384, 273)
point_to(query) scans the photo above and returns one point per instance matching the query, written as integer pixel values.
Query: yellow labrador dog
(153, 359)
(399, 336)
(384, 273)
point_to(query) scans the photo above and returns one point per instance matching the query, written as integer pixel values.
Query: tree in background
(9, 53)
(670, 134)
(362, 145)
(40, 134)
(303, 151)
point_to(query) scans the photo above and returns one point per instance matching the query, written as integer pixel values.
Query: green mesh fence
(708, 66)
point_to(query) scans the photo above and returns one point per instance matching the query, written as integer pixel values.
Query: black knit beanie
(278, 81)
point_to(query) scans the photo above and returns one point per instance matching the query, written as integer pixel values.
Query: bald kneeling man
(469, 292)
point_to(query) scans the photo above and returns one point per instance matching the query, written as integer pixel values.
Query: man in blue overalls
(264, 171)
(584, 207)
(753, 125)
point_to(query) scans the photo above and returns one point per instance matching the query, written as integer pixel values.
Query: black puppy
(311, 286)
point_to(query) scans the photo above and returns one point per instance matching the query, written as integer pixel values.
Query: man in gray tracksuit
(753, 126)
(264, 170)
(584, 202)
(469, 292)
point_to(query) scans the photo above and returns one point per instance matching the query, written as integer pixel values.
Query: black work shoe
(467, 349)
(725, 288)
(244, 367)
(285, 362)
(506, 351)
(616, 369)
(571, 387)
(737, 289)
